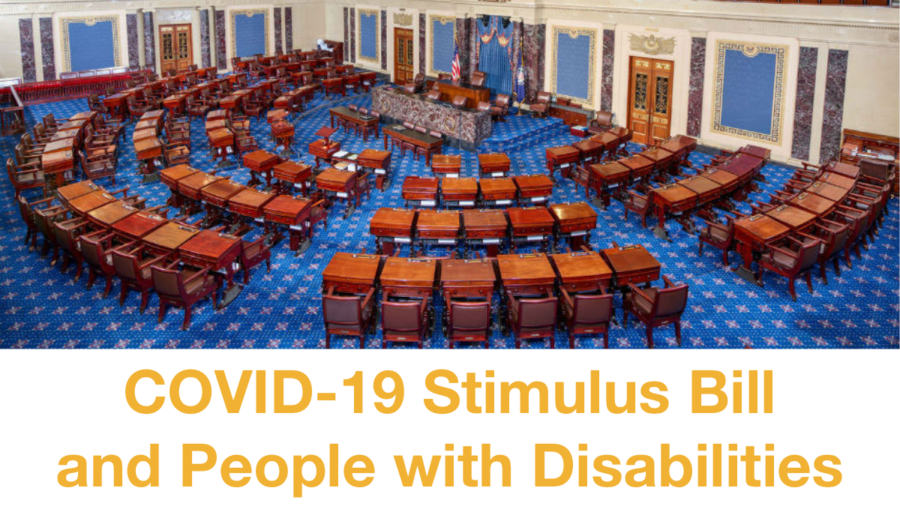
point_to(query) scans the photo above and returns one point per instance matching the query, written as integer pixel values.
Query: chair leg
(571, 341)
(145, 298)
(362, 341)
(518, 344)
(162, 311)
(123, 294)
(809, 282)
(649, 336)
(552, 343)
(606, 340)
(108, 287)
(837, 267)
(187, 317)
(678, 333)
(91, 278)
(700, 249)
(791, 288)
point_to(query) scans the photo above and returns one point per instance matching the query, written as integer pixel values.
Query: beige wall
(871, 99)
(10, 51)
(309, 24)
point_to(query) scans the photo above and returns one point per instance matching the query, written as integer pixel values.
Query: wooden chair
(410, 88)
(792, 264)
(24, 178)
(640, 205)
(44, 220)
(182, 289)
(318, 212)
(602, 122)
(66, 234)
(405, 322)
(587, 314)
(500, 107)
(27, 212)
(469, 322)
(541, 105)
(532, 318)
(136, 108)
(116, 129)
(253, 254)
(856, 220)
(176, 153)
(656, 307)
(352, 315)
(718, 236)
(478, 78)
(254, 106)
(96, 105)
(195, 108)
(133, 271)
(460, 102)
(834, 237)
(98, 167)
(96, 249)
(433, 95)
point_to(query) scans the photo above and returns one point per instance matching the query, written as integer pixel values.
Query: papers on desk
(578, 127)
(342, 195)
(453, 176)
(399, 128)
(402, 240)
(491, 241)
(341, 154)
(380, 172)
(535, 238)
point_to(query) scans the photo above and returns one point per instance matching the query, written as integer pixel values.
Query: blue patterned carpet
(43, 308)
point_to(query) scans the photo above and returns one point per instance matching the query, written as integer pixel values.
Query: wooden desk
(420, 191)
(498, 191)
(726, 180)
(707, 190)
(609, 178)
(219, 253)
(292, 174)
(631, 264)
(450, 90)
(526, 274)
(283, 133)
(90, 201)
(485, 227)
(459, 192)
(380, 163)
(431, 144)
(794, 217)
(756, 151)
(408, 277)
(141, 135)
(493, 164)
(260, 162)
(744, 166)
(293, 213)
(191, 187)
(339, 184)
(843, 169)
(323, 150)
(534, 189)
(70, 192)
(222, 140)
(589, 152)
(812, 203)
(828, 191)
(67, 144)
(752, 235)
(170, 177)
(437, 227)
(530, 224)
(838, 180)
(641, 167)
(468, 279)
(574, 221)
(392, 226)
(446, 165)
(218, 193)
(673, 199)
(351, 273)
(364, 123)
(147, 151)
(581, 271)
(168, 237)
(136, 226)
(562, 158)
(249, 203)
(105, 216)
(680, 145)
(56, 165)
(662, 159)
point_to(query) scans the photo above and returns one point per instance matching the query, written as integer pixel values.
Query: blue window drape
(442, 51)
(91, 46)
(249, 34)
(368, 35)
(495, 54)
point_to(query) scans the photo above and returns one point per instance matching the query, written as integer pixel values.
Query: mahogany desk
(339, 184)
(589, 152)
(493, 164)
(138, 225)
(706, 189)
(607, 179)
(222, 140)
(140, 135)
(581, 271)
(611, 142)
(756, 151)
(250, 203)
(323, 149)
(641, 168)
(67, 144)
(390, 227)
(813, 203)
(459, 192)
(681, 146)
(147, 151)
(116, 102)
(662, 160)
(168, 237)
(283, 133)
(431, 144)
(260, 162)
(450, 90)
(90, 201)
(215, 196)
(497, 191)
(726, 180)
(380, 163)
(843, 169)
(152, 125)
(676, 200)
(190, 187)
(752, 235)
(534, 189)
(105, 216)
(70, 192)
(351, 273)
(744, 166)
(575, 222)
(485, 227)
(420, 191)
(292, 174)
(631, 264)
(446, 165)
(562, 158)
(408, 277)
(219, 253)
(838, 180)
(437, 227)
(526, 274)
(468, 279)
(170, 177)
(530, 224)
(828, 191)
(55, 166)
(293, 213)
(363, 123)
(794, 217)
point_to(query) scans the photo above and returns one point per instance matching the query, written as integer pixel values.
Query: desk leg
(385, 142)
(151, 175)
(660, 229)
(232, 290)
(744, 270)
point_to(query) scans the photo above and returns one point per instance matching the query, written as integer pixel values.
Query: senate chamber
(450, 175)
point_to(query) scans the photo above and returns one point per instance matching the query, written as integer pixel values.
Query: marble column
(278, 46)
(833, 119)
(609, 60)
(352, 35)
(695, 93)
(533, 43)
(423, 44)
(26, 41)
(462, 42)
(346, 34)
(288, 29)
(47, 57)
(383, 40)
(221, 58)
(149, 41)
(803, 111)
(131, 25)
(474, 47)
(205, 55)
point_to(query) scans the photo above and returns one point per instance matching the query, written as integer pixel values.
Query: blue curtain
(495, 54)
(91, 47)
(249, 34)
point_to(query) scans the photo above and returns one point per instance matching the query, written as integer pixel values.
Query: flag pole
(521, 67)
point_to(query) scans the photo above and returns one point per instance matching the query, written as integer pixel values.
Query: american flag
(454, 70)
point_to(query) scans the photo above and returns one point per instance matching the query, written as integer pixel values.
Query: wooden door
(176, 48)
(650, 100)
(403, 56)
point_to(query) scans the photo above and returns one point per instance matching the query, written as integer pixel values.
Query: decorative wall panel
(131, 26)
(26, 41)
(695, 95)
(205, 55)
(221, 58)
(48, 59)
(346, 34)
(803, 111)
(833, 120)
(383, 40)
(90, 42)
(441, 41)
(423, 30)
(749, 90)
(533, 44)
(288, 29)
(353, 34)
(278, 46)
(149, 41)
(609, 65)
(574, 53)
(249, 32)
(368, 35)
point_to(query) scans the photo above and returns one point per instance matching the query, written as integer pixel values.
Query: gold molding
(575, 32)
(89, 21)
(359, 15)
(403, 18)
(249, 13)
(651, 44)
(443, 20)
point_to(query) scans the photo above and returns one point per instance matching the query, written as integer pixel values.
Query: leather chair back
(470, 316)
(460, 101)
(604, 118)
(671, 301)
(484, 106)
(592, 309)
(477, 81)
(401, 316)
(537, 313)
(167, 282)
(409, 88)
(434, 94)
(502, 100)
(126, 265)
(809, 254)
(543, 97)
(341, 310)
